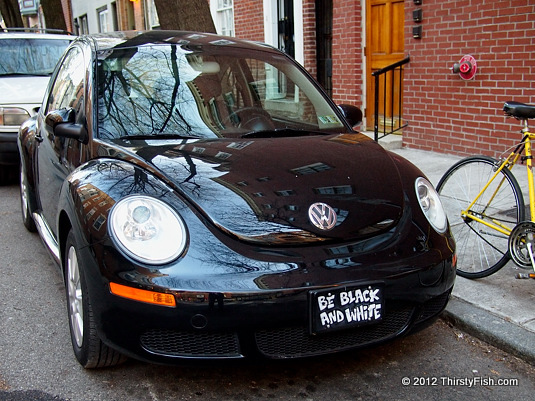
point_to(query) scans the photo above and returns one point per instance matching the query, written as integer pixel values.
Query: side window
(68, 88)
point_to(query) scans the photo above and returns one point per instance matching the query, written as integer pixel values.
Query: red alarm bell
(466, 67)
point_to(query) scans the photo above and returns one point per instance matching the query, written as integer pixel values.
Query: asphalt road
(36, 361)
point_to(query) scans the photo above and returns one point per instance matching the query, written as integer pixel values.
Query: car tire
(88, 348)
(26, 197)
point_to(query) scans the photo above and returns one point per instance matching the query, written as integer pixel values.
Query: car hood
(22, 89)
(262, 190)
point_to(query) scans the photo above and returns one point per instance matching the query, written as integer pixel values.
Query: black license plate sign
(343, 307)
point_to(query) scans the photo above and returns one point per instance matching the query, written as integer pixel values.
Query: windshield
(221, 91)
(30, 56)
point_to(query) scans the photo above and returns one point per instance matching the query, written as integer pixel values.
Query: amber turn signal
(137, 294)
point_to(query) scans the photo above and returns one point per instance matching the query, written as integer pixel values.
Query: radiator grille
(433, 307)
(191, 344)
(295, 342)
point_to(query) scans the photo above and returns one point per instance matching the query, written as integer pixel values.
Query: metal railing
(392, 120)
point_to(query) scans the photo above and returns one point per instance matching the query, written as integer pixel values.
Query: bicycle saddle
(519, 110)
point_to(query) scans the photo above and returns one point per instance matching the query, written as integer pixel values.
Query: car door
(55, 154)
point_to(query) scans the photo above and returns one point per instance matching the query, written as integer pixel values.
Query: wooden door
(385, 22)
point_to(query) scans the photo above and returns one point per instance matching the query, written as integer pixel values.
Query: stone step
(389, 142)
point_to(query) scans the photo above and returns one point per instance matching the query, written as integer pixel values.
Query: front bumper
(274, 324)
(292, 341)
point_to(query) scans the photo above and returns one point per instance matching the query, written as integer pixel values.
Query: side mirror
(352, 114)
(61, 124)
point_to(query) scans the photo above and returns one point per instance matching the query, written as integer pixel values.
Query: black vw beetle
(204, 199)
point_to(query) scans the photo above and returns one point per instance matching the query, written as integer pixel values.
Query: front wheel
(481, 250)
(90, 351)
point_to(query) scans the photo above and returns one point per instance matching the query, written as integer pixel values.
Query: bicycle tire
(481, 251)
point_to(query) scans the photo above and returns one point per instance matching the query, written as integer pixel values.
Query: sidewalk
(498, 309)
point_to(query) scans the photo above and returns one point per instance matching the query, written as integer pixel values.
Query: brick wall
(66, 7)
(347, 52)
(309, 36)
(249, 24)
(249, 19)
(447, 114)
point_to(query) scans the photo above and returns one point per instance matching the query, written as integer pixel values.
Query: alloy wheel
(75, 299)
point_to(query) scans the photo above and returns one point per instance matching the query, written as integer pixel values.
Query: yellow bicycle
(486, 208)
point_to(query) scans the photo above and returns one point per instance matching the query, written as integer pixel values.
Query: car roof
(105, 41)
(34, 33)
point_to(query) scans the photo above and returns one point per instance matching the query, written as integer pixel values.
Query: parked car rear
(28, 58)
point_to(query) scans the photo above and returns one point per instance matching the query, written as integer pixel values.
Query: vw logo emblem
(322, 216)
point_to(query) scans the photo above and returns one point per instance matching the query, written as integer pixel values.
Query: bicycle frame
(509, 162)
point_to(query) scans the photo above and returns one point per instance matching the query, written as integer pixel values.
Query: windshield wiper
(283, 132)
(160, 136)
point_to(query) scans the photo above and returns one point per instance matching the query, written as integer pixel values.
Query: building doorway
(285, 15)
(385, 37)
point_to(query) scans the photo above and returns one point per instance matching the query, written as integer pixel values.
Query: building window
(285, 192)
(103, 19)
(151, 15)
(335, 190)
(114, 19)
(223, 15)
(239, 145)
(28, 7)
(311, 169)
(81, 25)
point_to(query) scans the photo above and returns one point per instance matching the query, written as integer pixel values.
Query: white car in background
(27, 59)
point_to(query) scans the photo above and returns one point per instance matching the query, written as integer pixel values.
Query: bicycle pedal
(523, 276)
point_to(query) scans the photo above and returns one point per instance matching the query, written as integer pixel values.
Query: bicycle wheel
(481, 250)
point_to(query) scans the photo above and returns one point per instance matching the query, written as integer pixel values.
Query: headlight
(431, 206)
(147, 229)
(13, 116)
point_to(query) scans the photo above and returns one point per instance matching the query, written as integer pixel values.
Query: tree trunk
(53, 12)
(185, 15)
(11, 13)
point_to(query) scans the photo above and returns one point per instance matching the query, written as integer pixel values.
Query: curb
(491, 328)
